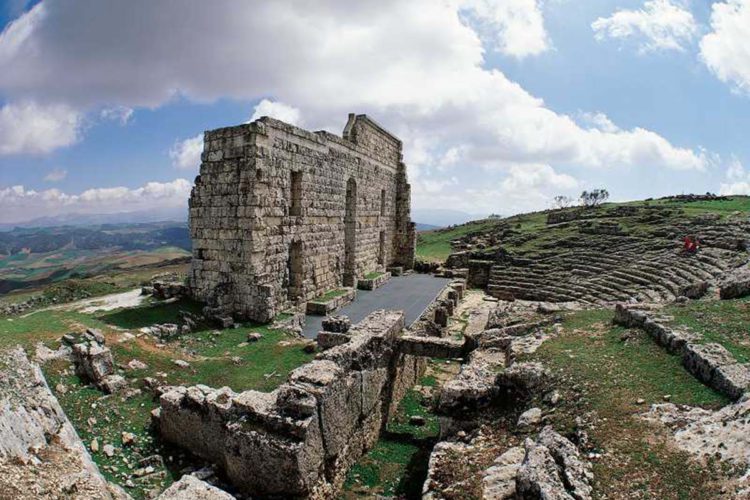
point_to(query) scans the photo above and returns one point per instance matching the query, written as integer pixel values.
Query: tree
(561, 201)
(591, 199)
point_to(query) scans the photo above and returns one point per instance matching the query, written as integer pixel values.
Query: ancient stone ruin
(280, 216)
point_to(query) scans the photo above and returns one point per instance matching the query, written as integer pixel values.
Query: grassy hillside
(528, 232)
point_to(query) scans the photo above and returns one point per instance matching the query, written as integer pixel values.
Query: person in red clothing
(690, 245)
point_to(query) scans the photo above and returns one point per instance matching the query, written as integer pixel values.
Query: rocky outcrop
(723, 434)
(553, 470)
(499, 481)
(299, 440)
(191, 488)
(41, 456)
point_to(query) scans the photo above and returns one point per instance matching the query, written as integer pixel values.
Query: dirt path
(131, 298)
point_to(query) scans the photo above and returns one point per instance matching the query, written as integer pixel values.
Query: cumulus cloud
(56, 175)
(19, 203)
(512, 27)
(29, 128)
(120, 114)
(187, 154)
(659, 25)
(424, 77)
(278, 110)
(738, 179)
(725, 48)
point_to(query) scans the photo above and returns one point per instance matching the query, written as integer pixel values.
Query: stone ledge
(319, 308)
(372, 284)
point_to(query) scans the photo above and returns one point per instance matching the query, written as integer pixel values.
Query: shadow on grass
(149, 315)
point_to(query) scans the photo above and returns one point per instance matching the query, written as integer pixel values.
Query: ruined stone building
(281, 215)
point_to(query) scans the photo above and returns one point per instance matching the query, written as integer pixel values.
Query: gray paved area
(411, 294)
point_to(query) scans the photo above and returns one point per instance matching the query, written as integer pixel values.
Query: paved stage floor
(411, 294)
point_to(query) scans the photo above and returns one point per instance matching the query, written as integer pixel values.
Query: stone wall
(280, 215)
(301, 439)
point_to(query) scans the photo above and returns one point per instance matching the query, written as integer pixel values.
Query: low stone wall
(736, 286)
(322, 308)
(372, 284)
(709, 362)
(299, 440)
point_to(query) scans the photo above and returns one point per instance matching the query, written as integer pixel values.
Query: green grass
(330, 295)
(373, 275)
(105, 418)
(722, 321)
(434, 246)
(397, 464)
(531, 233)
(217, 358)
(599, 373)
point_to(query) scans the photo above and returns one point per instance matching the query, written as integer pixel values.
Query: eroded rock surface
(41, 456)
(191, 488)
(553, 470)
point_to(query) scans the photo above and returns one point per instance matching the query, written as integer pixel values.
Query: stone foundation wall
(280, 215)
(301, 439)
(711, 363)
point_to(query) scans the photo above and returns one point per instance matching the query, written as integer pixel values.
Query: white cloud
(526, 177)
(512, 27)
(120, 114)
(599, 121)
(56, 175)
(29, 128)
(739, 179)
(19, 203)
(659, 25)
(187, 154)
(424, 77)
(277, 110)
(725, 49)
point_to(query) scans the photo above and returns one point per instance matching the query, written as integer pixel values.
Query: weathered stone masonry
(280, 215)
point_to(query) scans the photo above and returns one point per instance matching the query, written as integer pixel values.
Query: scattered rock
(94, 445)
(254, 336)
(109, 450)
(128, 438)
(191, 488)
(181, 363)
(136, 364)
(417, 420)
(530, 418)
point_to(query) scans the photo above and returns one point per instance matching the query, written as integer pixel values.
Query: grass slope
(533, 233)
(612, 381)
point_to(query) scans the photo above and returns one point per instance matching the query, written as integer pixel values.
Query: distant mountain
(442, 217)
(167, 214)
(425, 227)
(141, 236)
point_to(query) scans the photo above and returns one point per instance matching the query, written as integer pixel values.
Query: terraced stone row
(635, 270)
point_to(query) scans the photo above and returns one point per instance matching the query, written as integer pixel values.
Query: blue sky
(502, 104)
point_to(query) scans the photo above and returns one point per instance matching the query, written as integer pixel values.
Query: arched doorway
(350, 233)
